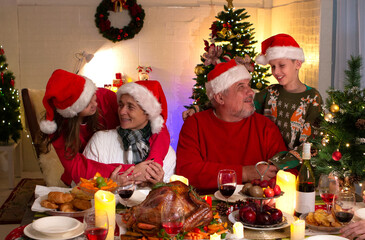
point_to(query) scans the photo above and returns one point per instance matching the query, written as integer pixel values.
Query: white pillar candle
(297, 230)
(287, 183)
(215, 236)
(238, 230)
(105, 200)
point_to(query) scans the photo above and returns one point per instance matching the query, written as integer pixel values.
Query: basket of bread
(321, 220)
(65, 202)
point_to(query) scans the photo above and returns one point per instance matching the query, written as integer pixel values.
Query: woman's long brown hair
(69, 128)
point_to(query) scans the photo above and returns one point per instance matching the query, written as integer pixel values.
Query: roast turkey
(145, 218)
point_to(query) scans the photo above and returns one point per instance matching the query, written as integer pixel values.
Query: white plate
(137, 197)
(360, 213)
(235, 196)
(289, 219)
(55, 225)
(326, 237)
(36, 207)
(32, 233)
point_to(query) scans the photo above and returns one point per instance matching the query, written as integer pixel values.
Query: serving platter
(319, 228)
(288, 219)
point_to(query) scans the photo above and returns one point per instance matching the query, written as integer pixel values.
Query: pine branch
(353, 76)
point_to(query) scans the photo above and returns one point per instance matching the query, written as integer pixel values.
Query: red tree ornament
(336, 155)
(12, 82)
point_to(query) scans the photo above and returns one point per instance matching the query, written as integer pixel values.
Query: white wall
(40, 36)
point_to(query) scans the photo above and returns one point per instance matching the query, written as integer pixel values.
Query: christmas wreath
(135, 11)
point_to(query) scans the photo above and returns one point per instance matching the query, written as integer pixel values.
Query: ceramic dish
(235, 196)
(360, 213)
(55, 225)
(319, 228)
(29, 231)
(288, 219)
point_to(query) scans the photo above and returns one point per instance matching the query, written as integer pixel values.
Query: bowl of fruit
(262, 217)
(91, 186)
(261, 189)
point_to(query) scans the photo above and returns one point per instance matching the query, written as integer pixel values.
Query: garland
(102, 22)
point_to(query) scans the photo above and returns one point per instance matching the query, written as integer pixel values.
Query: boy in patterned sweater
(293, 106)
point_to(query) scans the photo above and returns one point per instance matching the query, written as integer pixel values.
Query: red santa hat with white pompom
(151, 98)
(68, 94)
(279, 46)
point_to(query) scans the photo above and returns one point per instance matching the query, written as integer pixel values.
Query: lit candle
(297, 230)
(238, 230)
(215, 236)
(208, 199)
(286, 181)
(105, 200)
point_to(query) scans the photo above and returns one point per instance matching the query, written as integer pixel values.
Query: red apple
(263, 218)
(255, 182)
(276, 215)
(269, 192)
(249, 216)
(277, 190)
(272, 182)
(266, 208)
(264, 183)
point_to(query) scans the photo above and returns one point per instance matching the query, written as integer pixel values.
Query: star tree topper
(230, 3)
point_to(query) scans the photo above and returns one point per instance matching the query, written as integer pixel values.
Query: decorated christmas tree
(341, 142)
(231, 37)
(10, 123)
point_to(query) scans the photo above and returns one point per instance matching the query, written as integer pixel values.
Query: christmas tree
(10, 123)
(341, 142)
(231, 37)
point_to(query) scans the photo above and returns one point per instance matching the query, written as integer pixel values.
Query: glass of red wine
(172, 218)
(328, 186)
(343, 206)
(126, 192)
(227, 181)
(97, 224)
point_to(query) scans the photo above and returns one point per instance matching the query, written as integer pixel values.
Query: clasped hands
(142, 174)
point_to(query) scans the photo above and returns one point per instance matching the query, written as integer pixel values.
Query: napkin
(41, 193)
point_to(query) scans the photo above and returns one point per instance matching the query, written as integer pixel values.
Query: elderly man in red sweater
(228, 136)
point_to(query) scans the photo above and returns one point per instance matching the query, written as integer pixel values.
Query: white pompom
(261, 59)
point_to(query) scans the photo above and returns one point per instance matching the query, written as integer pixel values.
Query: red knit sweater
(208, 144)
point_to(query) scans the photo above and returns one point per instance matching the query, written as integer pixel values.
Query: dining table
(282, 233)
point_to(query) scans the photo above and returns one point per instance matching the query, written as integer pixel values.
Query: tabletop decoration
(238, 230)
(297, 230)
(208, 199)
(286, 181)
(215, 236)
(114, 34)
(105, 200)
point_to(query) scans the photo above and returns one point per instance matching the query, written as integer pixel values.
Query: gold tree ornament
(230, 3)
(334, 108)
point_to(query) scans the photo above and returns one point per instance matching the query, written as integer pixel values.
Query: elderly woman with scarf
(142, 112)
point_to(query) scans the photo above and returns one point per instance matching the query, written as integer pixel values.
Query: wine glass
(125, 192)
(328, 186)
(172, 218)
(227, 181)
(343, 206)
(97, 224)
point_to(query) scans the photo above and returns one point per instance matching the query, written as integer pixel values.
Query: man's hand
(249, 172)
(190, 112)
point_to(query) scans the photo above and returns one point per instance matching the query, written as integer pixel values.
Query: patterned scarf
(138, 139)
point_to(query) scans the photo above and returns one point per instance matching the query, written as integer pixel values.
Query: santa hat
(224, 75)
(68, 94)
(279, 46)
(151, 98)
